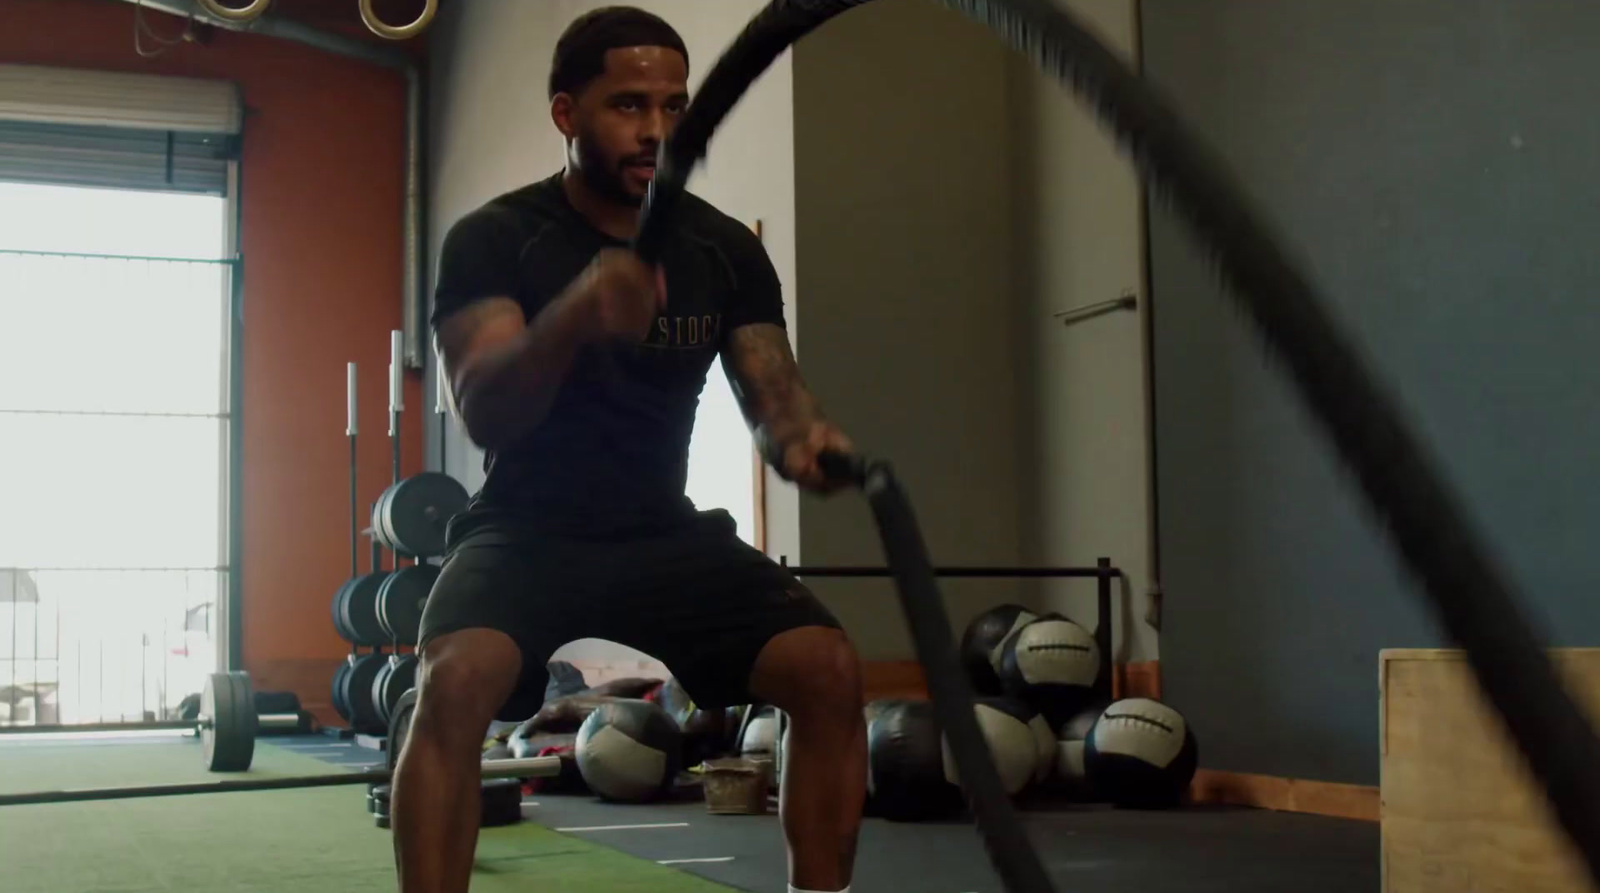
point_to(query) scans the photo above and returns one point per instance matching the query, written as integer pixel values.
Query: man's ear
(562, 108)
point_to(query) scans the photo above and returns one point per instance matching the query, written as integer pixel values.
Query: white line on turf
(687, 861)
(625, 827)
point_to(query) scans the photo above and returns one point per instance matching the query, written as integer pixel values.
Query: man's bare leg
(813, 675)
(462, 680)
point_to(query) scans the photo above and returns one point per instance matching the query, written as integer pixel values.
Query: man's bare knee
(813, 674)
(462, 680)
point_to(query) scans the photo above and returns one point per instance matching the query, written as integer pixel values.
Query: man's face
(618, 121)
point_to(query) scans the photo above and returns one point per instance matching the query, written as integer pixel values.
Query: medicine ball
(981, 642)
(1044, 748)
(760, 739)
(732, 725)
(1004, 723)
(1140, 753)
(1052, 664)
(873, 708)
(674, 699)
(906, 779)
(498, 751)
(629, 750)
(1070, 736)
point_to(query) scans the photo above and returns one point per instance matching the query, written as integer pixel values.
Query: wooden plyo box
(1460, 811)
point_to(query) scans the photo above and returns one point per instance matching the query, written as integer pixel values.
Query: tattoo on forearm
(767, 381)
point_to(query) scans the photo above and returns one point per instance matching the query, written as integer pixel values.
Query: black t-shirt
(613, 452)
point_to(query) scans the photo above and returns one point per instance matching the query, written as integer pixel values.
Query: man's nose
(652, 127)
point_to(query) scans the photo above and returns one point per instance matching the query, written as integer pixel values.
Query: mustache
(643, 159)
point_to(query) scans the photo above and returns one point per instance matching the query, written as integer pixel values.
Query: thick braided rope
(1467, 590)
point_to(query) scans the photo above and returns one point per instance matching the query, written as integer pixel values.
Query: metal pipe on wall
(413, 275)
(411, 310)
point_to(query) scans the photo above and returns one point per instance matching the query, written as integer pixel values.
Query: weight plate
(411, 515)
(380, 516)
(209, 717)
(379, 705)
(339, 596)
(378, 800)
(400, 726)
(358, 693)
(400, 676)
(339, 677)
(381, 524)
(227, 731)
(500, 803)
(378, 793)
(361, 609)
(401, 599)
(249, 720)
(379, 510)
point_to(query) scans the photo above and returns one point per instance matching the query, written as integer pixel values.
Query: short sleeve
(758, 293)
(479, 259)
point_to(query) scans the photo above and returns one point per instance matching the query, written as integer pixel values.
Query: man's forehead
(645, 63)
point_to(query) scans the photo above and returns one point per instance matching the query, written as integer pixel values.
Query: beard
(603, 176)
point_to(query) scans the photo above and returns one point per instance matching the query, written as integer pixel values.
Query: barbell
(227, 725)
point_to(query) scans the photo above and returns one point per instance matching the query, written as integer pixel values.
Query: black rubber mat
(1086, 850)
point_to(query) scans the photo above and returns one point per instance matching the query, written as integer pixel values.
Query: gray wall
(1080, 241)
(1437, 164)
(908, 298)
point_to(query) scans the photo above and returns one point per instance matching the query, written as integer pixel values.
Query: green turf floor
(296, 841)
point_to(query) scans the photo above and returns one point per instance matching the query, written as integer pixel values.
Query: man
(577, 369)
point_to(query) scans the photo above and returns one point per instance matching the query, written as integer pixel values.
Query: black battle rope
(1010, 851)
(999, 826)
(1469, 593)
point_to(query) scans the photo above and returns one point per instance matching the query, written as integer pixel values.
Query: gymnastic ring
(403, 32)
(255, 10)
(1469, 591)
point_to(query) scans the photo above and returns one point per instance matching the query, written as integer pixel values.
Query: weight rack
(407, 519)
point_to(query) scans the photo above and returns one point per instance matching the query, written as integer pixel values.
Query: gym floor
(311, 838)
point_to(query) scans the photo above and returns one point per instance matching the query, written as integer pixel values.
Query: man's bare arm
(766, 379)
(503, 370)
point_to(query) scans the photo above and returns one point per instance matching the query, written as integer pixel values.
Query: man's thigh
(705, 603)
(516, 586)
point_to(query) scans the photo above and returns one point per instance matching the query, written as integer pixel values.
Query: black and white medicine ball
(1006, 727)
(981, 641)
(760, 738)
(1141, 753)
(873, 708)
(1071, 736)
(498, 752)
(1044, 741)
(905, 763)
(629, 750)
(1052, 664)
(911, 772)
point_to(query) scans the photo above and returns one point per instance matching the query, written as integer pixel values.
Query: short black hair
(580, 54)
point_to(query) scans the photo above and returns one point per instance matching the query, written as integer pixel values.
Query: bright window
(114, 449)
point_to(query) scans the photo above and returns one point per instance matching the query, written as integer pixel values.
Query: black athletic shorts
(691, 595)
